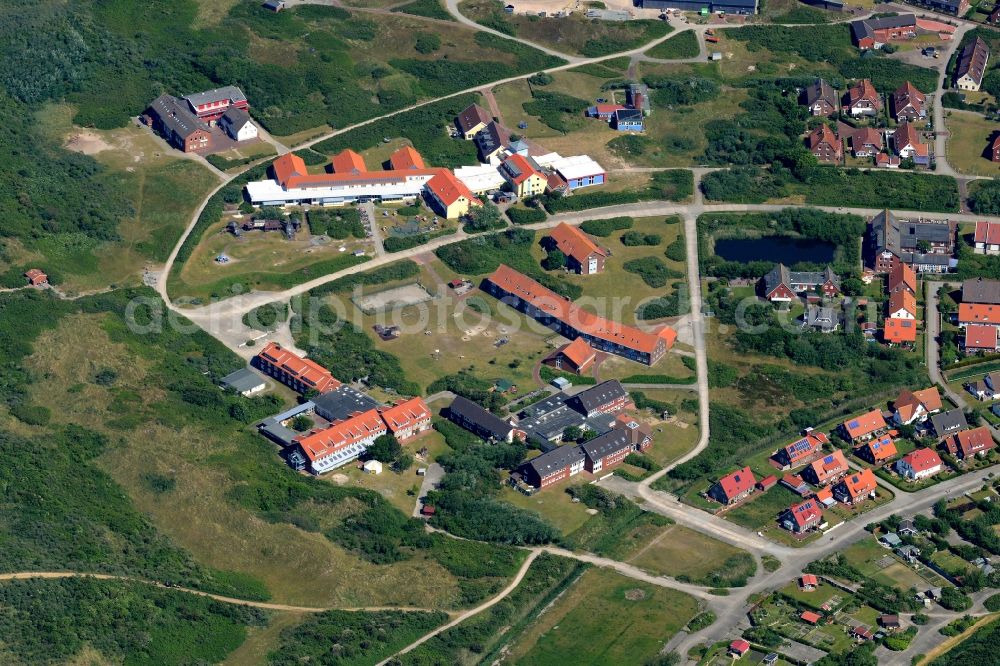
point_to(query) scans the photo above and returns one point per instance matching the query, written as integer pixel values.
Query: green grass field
(604, 618)
(969, 136)
(680, 551)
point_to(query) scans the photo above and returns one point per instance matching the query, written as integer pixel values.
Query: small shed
(716, 55)
(809, 617)
(889, 621)
(561, 383)
(427, 510)
(246, 382)
(274, 5)
(421, 471)
(767, 482)
(36, 278)
(372, 467)
(808, 582)
(739, 647)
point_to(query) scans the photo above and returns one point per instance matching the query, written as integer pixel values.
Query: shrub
(519, 215)
(634, 238)
(607, 226)
(652, 271)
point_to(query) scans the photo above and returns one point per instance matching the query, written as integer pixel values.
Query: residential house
(915, 406)
(824, 144)
(733, 487)
(864, 426)
(319, 451)
(969, 443)
(987, 237)
(856, 487)
(908, 144)
(572, 321)
(826, 320)
(36, 277)
(992, 380)
(611, 448)
(826, 470)
(801, 450)
(971, 65)
(948, 423)
(863, 99)
(576, 357)
(449, 196)
(300, 374)
(889, 622)
(491, 141)
(739, 647)
(899, 332)
(523, 175)
(994, 148)
(919, 464)
(407, 419)
(890, 540)
(211, 105)
(979, 338)
(926, 245)
(583, 255)
(877, 450)
(902, 305)
(909, 553)
(802, 517)
(628, 120)
(862, 634)
(886, 161)
(902, 277)
(780, 285)
(978, 313)
(480, 422)
(237, 124)
(549, 468)
(604, 111)
(874, 33)
(820, 98)
(795, 483)
(956, 7)
(274, 5)
(907, 528)
(908, 103)
(825, 497)
(182, 129)
(472, 121)
(979, 389)
(808, 582)
(866, 142)
(767, 482)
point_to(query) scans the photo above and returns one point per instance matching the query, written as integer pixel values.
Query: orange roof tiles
(829, 466)
(302, 369)
(908, 401)
(406, 158)
(970, 442)
(881, 448)
(348, 161)
(865, 424)
(900, 330)
(358, 428)
(513, 282)
(980, 337)
(449, 189)
(860, 483)
(902, 275)
(522, 169)
(574, 243)
(738, 482)
(903, 300)
(406, 414)
(579, 352)
(979, 313)
(291, 173)
(988, 232)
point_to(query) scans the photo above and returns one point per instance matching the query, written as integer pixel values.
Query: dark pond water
(774, 248)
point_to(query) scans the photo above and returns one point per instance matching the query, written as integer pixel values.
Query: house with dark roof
(738, 7)
(472, 120)
(549, 468)
(237, 124)
(583, 255)
(628, 120)
(245, 381)
(971, 65)
(733, 487)
(948, 423)
(820, 98)
(210, 105)
(480, 422)
(182, 129)
(981, 290)
(491, 140)
(607, 450)
(874, 33)
(908, 103)
(781, 285)
(866, 142)
(926, 245)
(604, 398)
(822, 319)
(343, 402)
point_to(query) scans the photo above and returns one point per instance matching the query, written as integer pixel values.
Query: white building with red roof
(407, 419)
(919, 464)
(802, 517)
(320, 451)
(987, 237)
(979, 338)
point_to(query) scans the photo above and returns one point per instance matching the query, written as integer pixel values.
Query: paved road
(940, 128)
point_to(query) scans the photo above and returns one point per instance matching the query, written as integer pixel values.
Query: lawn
(763, 510)
(678, 551)
(882, 566)
(969, 139)
(553, 504)
(823, 595)
(604, 618)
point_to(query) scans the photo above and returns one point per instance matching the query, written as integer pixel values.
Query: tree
(385, 449)
(554, 260)
(955, 600)
(852, 286)
(484, 218)
(923, 246)
(301, 423)
(572, 434)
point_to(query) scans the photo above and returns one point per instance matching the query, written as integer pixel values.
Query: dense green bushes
(635, 238)
(400, 243)
(984, 197)
(556, 110)
(526, 215)
(266, 317)
(606, 226)
(336, 223)
(681, 45)
(980, 648)
(670, 185)
(652, 270)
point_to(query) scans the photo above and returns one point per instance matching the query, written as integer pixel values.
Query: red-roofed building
(968, 443)
(980, 338)
(604, 111)
(348, 161)
(801, 450)
(908, 144)
(987, 237)
(802, 517)
(450, 196)
(824, 144)
(583, 255)
(808, 582)
(577, 356)
(523, 175)
(296, 372)
(320, 451)
(978, 313)
(570, 320)
(825, 497)
(856, 487)
(767, 482)
(899, 331)
(863, 99)
(810, 617)
(902, 305)
(407, 419)
(827, 469)
(908, 103)
(877, 450)
(406, 158)
(864, 426)
(795, 483)
(994, 148)
(862, 634)
(912, 406)
(919, 464)
(866, 142)
(733, 487)
(36, 278)
(902, 277)
(738, 648)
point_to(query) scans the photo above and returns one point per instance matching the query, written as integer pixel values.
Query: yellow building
(523, 176)
(449, 195)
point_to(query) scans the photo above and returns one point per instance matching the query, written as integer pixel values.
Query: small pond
(779, 249)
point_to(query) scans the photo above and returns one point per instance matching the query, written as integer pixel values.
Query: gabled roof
(900, 330)
(348, 161)
(738, 482)
(881, 448)
(972, 60)
(319, 443)
(304, 370)
(231, 94)
(519, 168)
(908, 95)
(804, 513)
(469, 411)
(979, 313)
(829, 466)
(903, 300)
(603, 394)
(866, 136)
(449, 189)
(971, 442)
(906, 135)
(819, 90)
(176, 117)
(579, 352)
(987, 232)
(574, 243)
(406, 158)
(805, 447)
(864, 424)
(908, 401)
(556, 460)
(236, 117)
(979, 290)
(862, 91)
(902, 275)
(406, 414)
(820, 135)
(472, 115)
(948, 422)
(923, 459)
(980, 337)
(610, 443)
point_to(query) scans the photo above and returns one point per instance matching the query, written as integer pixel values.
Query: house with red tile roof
(919, 464)
(739, 647)
(523, 175)
(899, 331)
(866, 142)
(994, 147)
(348, 162)
(864, 426)
(767, 482)
(902, 305)
(406, 158)
(604, 111)
(808, 582)
(908, 103)
(986, 240)
(36, 278)
(968, 443)
(877, 450)
(577, 356)
(571, 321)
(733, 487)
(980, 338)
(863, 99)
(908, 144)
(856, 487)
(824, 144)
(827, 469)
(319, 451)
(795, 483)
(911, 406)
(407, 419)
(300, 374)
(801, 450)
(825, 497)
(810, 617)
(583, 255)
(902, 277)
(984, 314)
(450, 196)
(802, 517)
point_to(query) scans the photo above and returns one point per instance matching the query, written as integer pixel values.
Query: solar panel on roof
(828, 459)
(852, 424)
